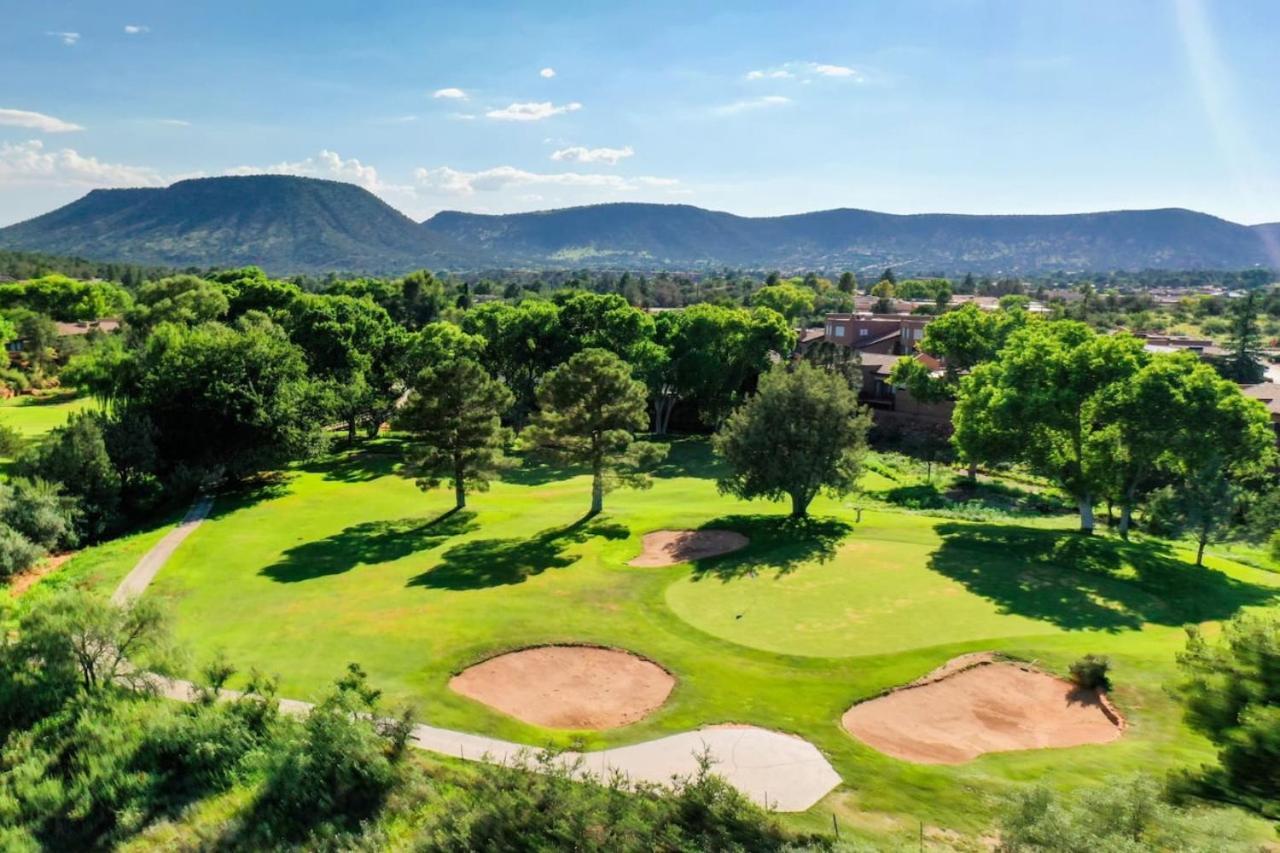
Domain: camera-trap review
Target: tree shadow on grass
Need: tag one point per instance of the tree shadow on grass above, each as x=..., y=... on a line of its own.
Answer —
x=779, y=544
x=501, y=562
x=369, y=543
x=361, y=465
x=535, y=469
x=689, y=456
x=1087, y=582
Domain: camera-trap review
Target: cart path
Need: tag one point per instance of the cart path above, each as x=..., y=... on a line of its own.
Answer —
x=776, y=770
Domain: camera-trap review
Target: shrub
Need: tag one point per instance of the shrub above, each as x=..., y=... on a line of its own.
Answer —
x=1091, y=672
x=76, y=456
x=17, y=552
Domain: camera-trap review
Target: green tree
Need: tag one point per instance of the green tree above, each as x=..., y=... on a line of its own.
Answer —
x=454, y=413
x=1231, y=693
x=1243, y=363
x=354, y=346
x=848, y=282
x=1035, y=404
x=788, y=300
x=589, y=409
x=709, y=356
x=224, y=401
x=802, y=433
x=185, y=299
x=522, y=344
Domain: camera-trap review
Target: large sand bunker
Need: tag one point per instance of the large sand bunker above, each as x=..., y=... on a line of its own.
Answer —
x=972, y=707
x=568, y=687
x=668, y=547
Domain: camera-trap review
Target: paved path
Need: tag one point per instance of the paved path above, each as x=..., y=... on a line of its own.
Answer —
x=780, y=771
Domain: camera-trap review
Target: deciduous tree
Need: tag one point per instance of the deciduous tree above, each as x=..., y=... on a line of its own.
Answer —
x=802, y=433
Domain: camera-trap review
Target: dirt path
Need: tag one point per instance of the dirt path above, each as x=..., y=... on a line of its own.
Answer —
x=776, y=770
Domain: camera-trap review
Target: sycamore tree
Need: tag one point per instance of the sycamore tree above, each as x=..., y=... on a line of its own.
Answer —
x=788, y=300
x=589, y=409
x=802, y=433
x=523, y=343
x=708, y=356
x=454, y=414
x=1226, y=447
x=1036, y=404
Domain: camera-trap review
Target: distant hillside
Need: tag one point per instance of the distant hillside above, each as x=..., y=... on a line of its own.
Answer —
x=648, y=235
x=283, y=224
x=289, y=224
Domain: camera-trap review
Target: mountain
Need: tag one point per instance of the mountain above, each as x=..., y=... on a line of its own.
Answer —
x=680, y=236
x=289, y=224
x=281, y=223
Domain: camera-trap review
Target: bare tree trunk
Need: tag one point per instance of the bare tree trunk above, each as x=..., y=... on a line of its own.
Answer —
x=1126, y=519
x=351, y=430
x=459, y=485
x=597, y=492
x=973, y=472
x=1086, y=514
x=799, y=506
x=1203, y=540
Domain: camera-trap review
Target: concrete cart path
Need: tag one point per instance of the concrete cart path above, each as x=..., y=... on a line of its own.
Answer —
x=776, y=770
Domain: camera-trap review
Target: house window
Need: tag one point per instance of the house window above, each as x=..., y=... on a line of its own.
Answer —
x=839, y=331
x=862, y=333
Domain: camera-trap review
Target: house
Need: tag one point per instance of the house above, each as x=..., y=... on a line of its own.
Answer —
x=881, y=340
x=1269, y=394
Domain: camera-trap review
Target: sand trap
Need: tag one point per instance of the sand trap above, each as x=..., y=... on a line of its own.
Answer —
x=568, y=687
x=668, y=547
x=957, y=714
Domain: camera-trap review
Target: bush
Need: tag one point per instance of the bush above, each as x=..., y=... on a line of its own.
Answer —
x=1091, y=672
x=17, y=552
x=38, y=510
x=1128, y=815
x=76, y=456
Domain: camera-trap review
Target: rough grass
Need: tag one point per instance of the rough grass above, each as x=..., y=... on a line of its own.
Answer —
x=348, y=561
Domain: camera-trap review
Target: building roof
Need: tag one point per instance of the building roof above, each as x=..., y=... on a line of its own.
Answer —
x=1268, y=393
x=85, y=327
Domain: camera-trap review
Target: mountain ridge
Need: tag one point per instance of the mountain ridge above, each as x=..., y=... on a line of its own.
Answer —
x=291, y=224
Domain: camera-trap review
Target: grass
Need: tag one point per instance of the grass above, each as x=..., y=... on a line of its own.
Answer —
x=348, y=561
x=34, y=416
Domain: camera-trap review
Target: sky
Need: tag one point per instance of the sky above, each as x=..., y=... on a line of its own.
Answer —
x=906, y=106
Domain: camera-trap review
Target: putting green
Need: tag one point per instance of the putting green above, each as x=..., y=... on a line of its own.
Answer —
x=899, y=582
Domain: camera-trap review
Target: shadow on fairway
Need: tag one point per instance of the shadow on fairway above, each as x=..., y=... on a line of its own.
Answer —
x=1087, y=582
x=779, y=544
x=376, y=459
x=370, y=543
x=688, y=456
x=500, y=562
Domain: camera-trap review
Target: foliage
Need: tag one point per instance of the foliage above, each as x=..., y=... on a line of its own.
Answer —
x=454, y=413
x=76, y=456
x=1091, y=672
x=522, y=344
x=790, y=301
x=336, y=771
x=1126, y=816
x=183, y=299
x=64, y=298
x=1034, y=404
x=541, y=804
x=961, y=339
x=802, y=433
x=1231, y=691
x=223, y=400
x=1243, y=362
x=589, y=409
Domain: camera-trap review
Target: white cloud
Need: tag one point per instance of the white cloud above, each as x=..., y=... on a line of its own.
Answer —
x=806, y=71
x=580, y=154
x=835, y=71
x=326, y=164
x=69, y=39
x=36, y=121
x=29, y=163
x=750, y=104
x=451, y=93
x=136, y=29
x=532, y=111
x=174, y=122
x=547, y=73
x=460, y=183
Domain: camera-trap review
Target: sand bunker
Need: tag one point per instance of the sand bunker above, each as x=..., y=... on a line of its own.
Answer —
x=957, y=714
x=568, y=687
x=668, y=547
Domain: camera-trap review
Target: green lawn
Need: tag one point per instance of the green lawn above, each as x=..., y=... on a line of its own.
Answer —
x=346, y=561
x=34, y=416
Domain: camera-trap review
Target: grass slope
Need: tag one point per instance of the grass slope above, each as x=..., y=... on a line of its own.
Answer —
x=347, y=561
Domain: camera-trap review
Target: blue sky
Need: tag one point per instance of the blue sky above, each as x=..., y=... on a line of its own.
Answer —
x=949, y=105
